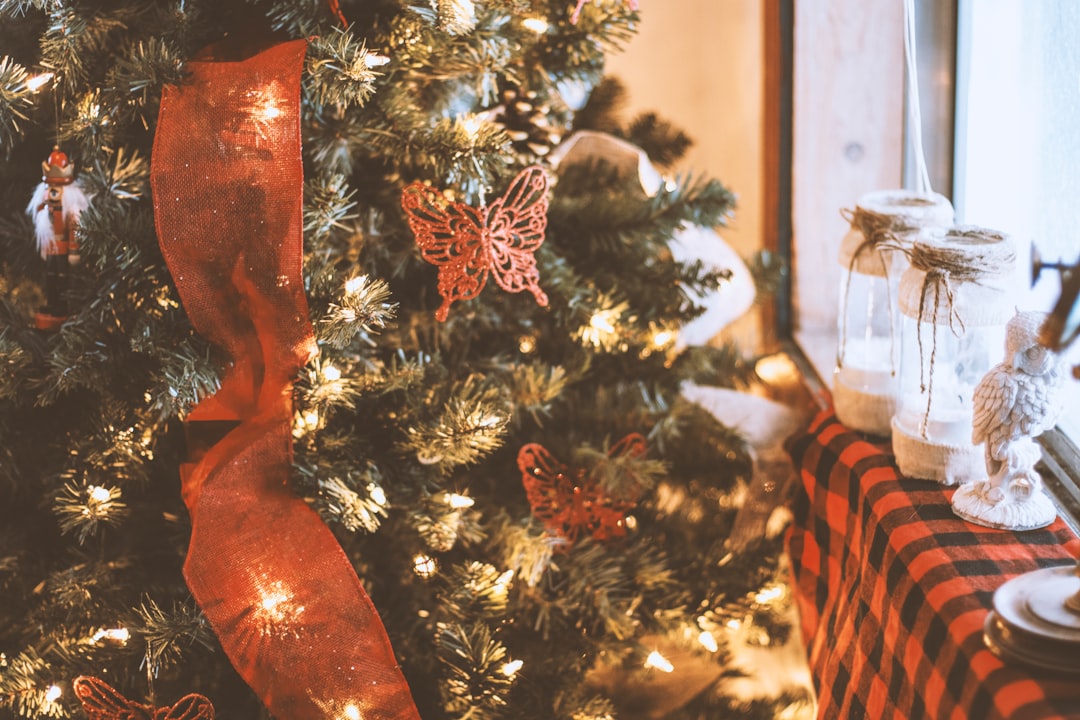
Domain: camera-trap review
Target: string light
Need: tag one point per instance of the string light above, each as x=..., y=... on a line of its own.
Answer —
x=117, y=635
x=351, y=712
x=101, y=502
x=98, y=494
x=708, y=641
x=510, y=669
x=733, y=624
x=502, y=586
x=377, y=495
x=355, y=284
x=374, y=60
x=602, y=321
x=536, y=24
x=331, y=373
x=471, y=123
x=659, y=662
x=277, y=608
x=53, y=693
x=458, y=502
x=269, y=111
x=660, y=338
x=777, y=369
x=424, y=565
x=38, y=81
x=766, y=596
x=526, y=344
x=600, y=332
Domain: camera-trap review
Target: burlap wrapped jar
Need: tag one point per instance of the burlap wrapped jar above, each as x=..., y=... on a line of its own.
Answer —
x=872, y=257
x=954, y=302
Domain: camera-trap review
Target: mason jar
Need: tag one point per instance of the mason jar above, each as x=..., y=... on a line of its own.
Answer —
x=872, y=257
x=954, y=302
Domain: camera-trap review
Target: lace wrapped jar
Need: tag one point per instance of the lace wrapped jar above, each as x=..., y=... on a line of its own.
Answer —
x=954, y=305
x=872, y=257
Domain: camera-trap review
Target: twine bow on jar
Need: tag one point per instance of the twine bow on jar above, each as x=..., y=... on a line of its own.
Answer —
x=881, y=232
x=966, y=254
x=883, y=221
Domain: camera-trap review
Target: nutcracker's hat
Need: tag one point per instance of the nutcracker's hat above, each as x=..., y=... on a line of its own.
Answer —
x=57, y=170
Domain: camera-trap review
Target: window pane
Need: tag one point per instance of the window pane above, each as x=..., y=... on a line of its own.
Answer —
x=1018, y=138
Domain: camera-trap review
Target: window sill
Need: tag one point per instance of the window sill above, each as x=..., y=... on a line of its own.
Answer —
x=814, y=354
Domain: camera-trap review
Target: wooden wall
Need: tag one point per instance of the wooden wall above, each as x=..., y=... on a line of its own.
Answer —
x=848, y=140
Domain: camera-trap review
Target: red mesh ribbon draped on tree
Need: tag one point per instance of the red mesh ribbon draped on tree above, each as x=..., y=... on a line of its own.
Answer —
x=273, y=582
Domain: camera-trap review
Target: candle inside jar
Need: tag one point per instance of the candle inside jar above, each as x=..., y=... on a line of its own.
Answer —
x=867, y=365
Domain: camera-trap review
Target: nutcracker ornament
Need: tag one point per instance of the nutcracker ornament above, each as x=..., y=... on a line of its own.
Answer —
x=55, y=208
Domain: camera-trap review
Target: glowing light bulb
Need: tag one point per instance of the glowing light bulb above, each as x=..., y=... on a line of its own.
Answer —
x=777, y=369
x=373, y=60
x=331, y=373
x=311, y=419
x=670, y=185
x=471, y=123
x=601, y=322
x=117, y=635
x=355, y=284
x=767, y=595
x=502, y=585
x=53, y=693
x=659, y=662
x=424, y=565
x=708, y=641
x=459, y=502
x=526, y=344
x=600, y=332
x=733, y=624
x=38, y=81
x=661, y=338
x=271, y=602
x=510, y=669
x=277, y=607
x=269, y=110
x=536, y=24
x=377, y=494
x=98, y=494
x=351, y=712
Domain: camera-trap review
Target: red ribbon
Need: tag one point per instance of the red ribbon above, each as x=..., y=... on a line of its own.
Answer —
x=279, y=591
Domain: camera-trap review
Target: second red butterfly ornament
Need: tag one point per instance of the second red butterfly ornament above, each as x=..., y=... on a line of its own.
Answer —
x=467, y=244
x=571, y=501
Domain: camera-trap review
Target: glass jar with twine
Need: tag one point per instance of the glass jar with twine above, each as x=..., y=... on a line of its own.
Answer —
x=872, y=257
x=954, y=303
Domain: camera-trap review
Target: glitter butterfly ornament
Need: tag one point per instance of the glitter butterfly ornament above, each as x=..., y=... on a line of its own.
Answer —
x=102, y=702
x=571, y=502
x=467, y=244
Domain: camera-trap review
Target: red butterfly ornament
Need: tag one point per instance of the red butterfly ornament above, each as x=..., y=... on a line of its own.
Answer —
x=102, y=702
x=570, y=501
x=468, y=243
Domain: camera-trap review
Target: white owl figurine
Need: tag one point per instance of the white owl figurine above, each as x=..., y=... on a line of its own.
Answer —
x=1018, y=400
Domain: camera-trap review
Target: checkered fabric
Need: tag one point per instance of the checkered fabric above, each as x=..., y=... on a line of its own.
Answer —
x=893, y=590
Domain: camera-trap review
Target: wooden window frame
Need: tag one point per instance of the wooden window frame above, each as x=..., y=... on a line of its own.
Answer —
x=834, y=129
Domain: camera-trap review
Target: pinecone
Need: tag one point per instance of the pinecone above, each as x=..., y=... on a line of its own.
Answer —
x=527, y=121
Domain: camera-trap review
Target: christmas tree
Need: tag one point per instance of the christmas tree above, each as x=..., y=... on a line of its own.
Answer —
x=487, y=416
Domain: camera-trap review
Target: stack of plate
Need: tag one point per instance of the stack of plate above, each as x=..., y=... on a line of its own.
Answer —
x=1036, y=620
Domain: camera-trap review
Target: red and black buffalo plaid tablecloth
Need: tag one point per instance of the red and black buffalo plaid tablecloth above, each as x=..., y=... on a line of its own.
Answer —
x=893, y=590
